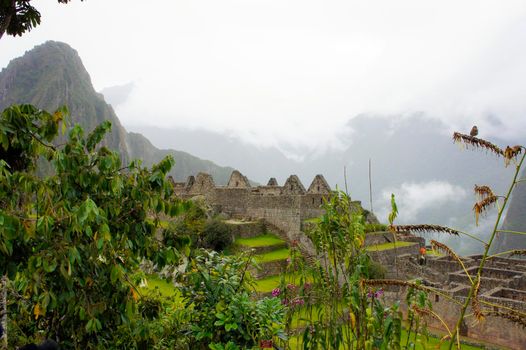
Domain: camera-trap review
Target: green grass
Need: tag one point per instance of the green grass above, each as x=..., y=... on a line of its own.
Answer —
x=267, y=284
x=432, y=252
x=280, y=254
x=387, y=246
x=421, y=344
x=265, y=240
x=166, y=288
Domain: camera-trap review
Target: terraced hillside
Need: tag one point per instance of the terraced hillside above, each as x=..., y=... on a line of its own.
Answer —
x=270, y=251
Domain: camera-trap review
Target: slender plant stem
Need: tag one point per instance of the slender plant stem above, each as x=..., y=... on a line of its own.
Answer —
x=370, y=187
x=486, y=251
x=473, y=237
x=514, y=232
x=503, y=253
x=3, y=311
x=499, y=306
x=409, y=332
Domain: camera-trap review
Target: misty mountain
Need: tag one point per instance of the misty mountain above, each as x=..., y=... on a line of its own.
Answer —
x=413, y=157
x=515, y=220
x=52, y=75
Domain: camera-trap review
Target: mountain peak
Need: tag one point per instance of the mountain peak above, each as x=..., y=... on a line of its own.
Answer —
x=52, y=75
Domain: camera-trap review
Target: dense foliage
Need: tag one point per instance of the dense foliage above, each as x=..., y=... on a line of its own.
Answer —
x=330, y=297
x=216, y=290
x=71, y=242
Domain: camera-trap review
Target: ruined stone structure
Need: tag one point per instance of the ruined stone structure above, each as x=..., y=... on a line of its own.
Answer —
x=285, y=207
x=503, y=283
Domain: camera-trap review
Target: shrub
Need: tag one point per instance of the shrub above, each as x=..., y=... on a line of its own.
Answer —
x=217, y=288
x=216, y=236
x=376, y=270
x=375, y=227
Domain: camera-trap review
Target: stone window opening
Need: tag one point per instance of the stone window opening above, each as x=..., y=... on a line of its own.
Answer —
x=312, y=200
x=318, y=188
x=437, y=298
x=237, y=183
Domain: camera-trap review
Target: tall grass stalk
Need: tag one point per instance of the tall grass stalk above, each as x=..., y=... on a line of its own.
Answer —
x=486, y=252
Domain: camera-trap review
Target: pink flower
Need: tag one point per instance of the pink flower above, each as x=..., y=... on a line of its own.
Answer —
x=307, y=286
x=291, y=286
x=299, y=301
x=285, y=301
x=276, y=292
x=375, y=295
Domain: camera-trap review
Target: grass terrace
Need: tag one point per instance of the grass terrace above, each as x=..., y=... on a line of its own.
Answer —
x=280, y=254
x=387, y=246
x=265, y=240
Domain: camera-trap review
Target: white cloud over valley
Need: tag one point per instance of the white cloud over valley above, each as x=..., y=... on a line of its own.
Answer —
x=293, y=72
x=414, y=198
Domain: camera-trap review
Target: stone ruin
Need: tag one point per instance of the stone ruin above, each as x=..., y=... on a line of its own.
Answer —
x=285, y=207
x=503, y=283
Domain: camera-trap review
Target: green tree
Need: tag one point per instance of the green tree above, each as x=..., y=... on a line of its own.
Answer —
x=71, y=242
x=19, y=16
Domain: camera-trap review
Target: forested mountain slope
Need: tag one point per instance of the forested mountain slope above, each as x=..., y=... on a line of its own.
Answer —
x=52, y=75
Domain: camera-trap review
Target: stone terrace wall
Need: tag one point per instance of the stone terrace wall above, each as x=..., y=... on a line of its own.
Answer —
x=494, y=330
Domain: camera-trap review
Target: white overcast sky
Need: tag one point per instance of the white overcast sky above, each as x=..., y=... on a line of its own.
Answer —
x=295, y=71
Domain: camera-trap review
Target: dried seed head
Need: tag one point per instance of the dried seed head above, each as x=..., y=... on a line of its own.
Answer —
x=390, y=282
x=510, y=153
x=481, y=206
x=518, y=252
x=483, y=191
x=444, y=248
x=476, y=143
x=512, y=316
x=422, y=228
x=422, y=312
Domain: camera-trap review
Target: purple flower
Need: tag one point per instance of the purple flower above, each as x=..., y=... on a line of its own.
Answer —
x=299, y=301
x=375, y=295
x=285, y=302
x=307, y=286
x=291, y=286
x=276, y=292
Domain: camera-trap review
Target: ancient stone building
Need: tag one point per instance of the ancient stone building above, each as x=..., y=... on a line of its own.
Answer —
x=503, y=283
x=285, y=207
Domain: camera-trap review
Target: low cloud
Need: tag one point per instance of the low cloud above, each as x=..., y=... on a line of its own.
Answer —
x=290, y=74
x=414, y=198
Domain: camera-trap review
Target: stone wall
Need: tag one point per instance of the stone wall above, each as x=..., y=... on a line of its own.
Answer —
x=285, y=207
x=494, y=330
